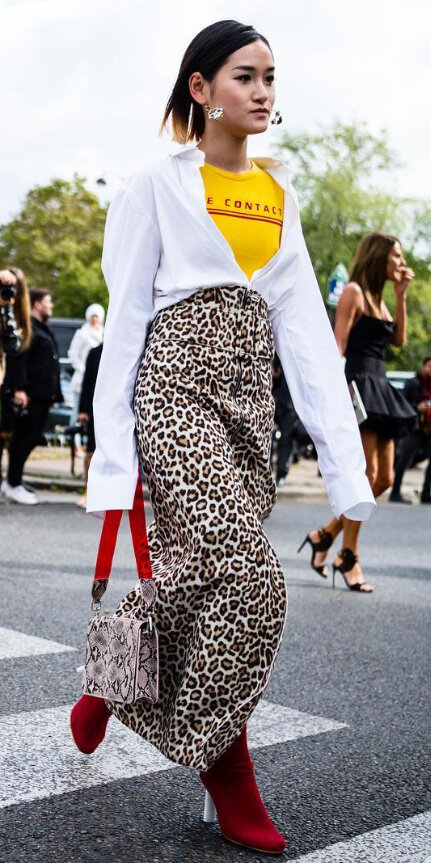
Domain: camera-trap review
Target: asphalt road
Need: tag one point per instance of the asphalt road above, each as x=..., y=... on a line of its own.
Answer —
x=360, y=661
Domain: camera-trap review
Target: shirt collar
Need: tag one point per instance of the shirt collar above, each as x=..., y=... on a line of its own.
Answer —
x=190, y=152
x=275, y=167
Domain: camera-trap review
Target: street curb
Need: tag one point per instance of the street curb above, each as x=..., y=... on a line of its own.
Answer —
x=47, y=482
x=77, y=485
x=72, y=485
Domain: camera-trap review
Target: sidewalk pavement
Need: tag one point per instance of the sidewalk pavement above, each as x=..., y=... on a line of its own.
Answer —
x=48, y=471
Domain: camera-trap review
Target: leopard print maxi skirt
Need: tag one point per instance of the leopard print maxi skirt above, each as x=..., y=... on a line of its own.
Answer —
x=204, y=419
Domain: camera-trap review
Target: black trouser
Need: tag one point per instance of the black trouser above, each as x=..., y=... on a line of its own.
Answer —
x=286, y=418
x=413, y=442
x=6, y=420
x=26, y=434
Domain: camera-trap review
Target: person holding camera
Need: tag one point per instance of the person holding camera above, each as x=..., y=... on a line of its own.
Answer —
x=15, y=334
x=34, y=377
x=418, y=393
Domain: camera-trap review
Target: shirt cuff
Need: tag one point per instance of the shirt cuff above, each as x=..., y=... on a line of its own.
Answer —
x=110, y=492
x=351, y=496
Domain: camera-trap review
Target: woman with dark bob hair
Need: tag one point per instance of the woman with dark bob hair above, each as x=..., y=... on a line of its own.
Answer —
x=363, y=329
x=206, y=265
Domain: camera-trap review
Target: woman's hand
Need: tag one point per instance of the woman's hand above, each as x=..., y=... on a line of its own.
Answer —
x=7, y=278
x=402, y=280
x=21, y=398
x=82, y=418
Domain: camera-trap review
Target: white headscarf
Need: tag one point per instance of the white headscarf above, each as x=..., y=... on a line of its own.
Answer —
x=95, y=309
x=85, y=338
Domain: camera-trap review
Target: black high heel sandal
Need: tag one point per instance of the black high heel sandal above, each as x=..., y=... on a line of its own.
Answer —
x=325, y=541
x=348, y=560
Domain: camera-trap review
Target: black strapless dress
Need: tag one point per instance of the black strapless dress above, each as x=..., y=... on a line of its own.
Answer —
x=389, y=413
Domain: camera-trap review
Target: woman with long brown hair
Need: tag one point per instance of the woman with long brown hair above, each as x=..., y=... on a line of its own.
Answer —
x=13, y=278
x=363, y=329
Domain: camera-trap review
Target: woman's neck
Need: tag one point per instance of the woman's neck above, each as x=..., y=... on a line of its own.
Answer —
x=224, y=151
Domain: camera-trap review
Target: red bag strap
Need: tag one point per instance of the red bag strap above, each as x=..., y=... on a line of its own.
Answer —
x=107, y=543
x=138, y=530
x=108, y=539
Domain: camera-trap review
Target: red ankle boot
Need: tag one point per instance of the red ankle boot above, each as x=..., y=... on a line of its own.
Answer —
x=231, y=784
x=88, y=722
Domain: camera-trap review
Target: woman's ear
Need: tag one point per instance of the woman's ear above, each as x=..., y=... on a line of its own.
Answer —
x=198, y=88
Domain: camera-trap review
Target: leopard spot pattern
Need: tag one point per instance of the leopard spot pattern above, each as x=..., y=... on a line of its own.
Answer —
x=204, y=419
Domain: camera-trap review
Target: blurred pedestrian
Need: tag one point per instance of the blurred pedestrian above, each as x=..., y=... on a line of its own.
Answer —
x=286, y=419
x=85, y=414
x=15, y=335
x=363, y=329
x=418, y=394
x=34, y=377
x=90, y=335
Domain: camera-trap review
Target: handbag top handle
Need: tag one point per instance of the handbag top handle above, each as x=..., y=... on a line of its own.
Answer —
x=108, y=541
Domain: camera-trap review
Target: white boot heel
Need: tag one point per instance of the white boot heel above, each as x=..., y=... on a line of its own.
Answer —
x=210, y=814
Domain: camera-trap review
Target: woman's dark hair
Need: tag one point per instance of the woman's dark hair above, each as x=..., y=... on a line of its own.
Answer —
x=206, y=54
x=369, y=267
x=37, y=294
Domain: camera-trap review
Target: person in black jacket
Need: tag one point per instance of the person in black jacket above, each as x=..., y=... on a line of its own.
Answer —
x=34, y=377
x=85, y=410
x=418, y=393
x=289, y=425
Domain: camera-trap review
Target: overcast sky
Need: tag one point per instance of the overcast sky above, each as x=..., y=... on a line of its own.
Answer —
x=83, y=83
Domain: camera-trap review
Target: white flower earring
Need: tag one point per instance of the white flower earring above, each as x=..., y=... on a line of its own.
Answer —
x=213, y=113
x=276, y=119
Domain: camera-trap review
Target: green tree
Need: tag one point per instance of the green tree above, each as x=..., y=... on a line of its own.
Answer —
x=342, y=174
x=56, y=239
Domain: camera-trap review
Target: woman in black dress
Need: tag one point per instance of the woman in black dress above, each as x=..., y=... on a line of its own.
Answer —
x=363, y=329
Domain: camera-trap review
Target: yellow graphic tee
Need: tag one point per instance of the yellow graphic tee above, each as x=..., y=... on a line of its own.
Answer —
x=248, y=210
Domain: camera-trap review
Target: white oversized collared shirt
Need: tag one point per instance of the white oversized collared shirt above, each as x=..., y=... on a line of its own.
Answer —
x=161, y=246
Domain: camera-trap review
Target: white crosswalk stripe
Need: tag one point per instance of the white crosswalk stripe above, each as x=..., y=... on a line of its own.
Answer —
x=40, y=759
x=14, y=644
x=408, y=841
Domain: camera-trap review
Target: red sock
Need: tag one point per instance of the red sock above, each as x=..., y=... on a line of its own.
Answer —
x=88, y=722
x=240, y=810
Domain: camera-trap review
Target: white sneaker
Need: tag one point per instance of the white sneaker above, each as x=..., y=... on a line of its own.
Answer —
x=19, y=494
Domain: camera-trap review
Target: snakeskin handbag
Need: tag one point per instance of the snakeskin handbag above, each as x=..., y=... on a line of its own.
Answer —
x=121, y=659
